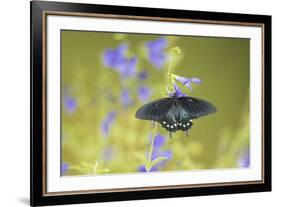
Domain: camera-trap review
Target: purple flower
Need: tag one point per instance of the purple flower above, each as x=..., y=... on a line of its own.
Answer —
x=156, y=52
x=116, y=59
x=142, y=75
x=144, y=93
x=187, y=81
x=128, y=67
x=107, y=123
x=244, y=159
x=167, y=153
x=125, y=98
x=143, y=169
x=64, y=168
x=159, y=141
x=113, y=58
x=158, y=153
x=177, y=92
x=70, y=104
x=107, y=153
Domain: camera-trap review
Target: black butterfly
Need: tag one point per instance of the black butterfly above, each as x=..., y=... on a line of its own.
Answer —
x=175, y=113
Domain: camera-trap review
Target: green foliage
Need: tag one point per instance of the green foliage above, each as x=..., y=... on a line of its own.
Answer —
x=88, y=169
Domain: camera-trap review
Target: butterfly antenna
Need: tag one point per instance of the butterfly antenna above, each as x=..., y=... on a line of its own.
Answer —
x=186, y=132
x=171, y=135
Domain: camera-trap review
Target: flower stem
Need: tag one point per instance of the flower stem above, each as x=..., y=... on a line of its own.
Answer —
x=170, y=75
x=95, y=167
x=149, y=161
x=169, y=81
x=170, y=63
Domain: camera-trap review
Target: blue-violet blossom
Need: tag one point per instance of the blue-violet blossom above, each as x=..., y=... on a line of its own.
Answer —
x=156, y=52
x=107, y=123
x=70, y=104
x=144, y=93
x=187, y=81
x=64, y=168
x=244, y=159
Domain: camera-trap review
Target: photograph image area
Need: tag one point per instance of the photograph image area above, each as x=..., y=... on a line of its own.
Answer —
x=150, y=103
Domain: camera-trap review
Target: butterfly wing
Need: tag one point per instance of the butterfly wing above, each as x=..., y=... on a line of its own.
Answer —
x=196, y=107
x=155, y=110
x=175, y=113
x=167, y=112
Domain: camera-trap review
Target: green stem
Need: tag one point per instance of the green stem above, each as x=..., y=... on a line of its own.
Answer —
x=149, y=161
x=169, y=77
x=95, y=167
x=170, y=63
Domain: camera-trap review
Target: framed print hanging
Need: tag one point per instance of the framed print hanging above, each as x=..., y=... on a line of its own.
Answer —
x=139, y=103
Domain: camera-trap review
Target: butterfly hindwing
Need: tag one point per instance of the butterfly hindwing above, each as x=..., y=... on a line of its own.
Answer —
x=176, y=119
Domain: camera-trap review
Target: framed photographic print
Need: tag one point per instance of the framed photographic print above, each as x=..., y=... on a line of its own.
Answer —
x=139, y=103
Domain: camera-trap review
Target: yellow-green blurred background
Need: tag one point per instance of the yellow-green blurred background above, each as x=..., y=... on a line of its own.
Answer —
x=90, y=91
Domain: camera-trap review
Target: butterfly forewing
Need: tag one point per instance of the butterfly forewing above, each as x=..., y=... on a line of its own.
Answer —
x=196, y=107
x=154, y=110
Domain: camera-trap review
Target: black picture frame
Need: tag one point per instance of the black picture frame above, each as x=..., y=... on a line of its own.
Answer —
x=39, y=10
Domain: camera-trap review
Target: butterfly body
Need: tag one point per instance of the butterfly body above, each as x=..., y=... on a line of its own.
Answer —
x=175, y=113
